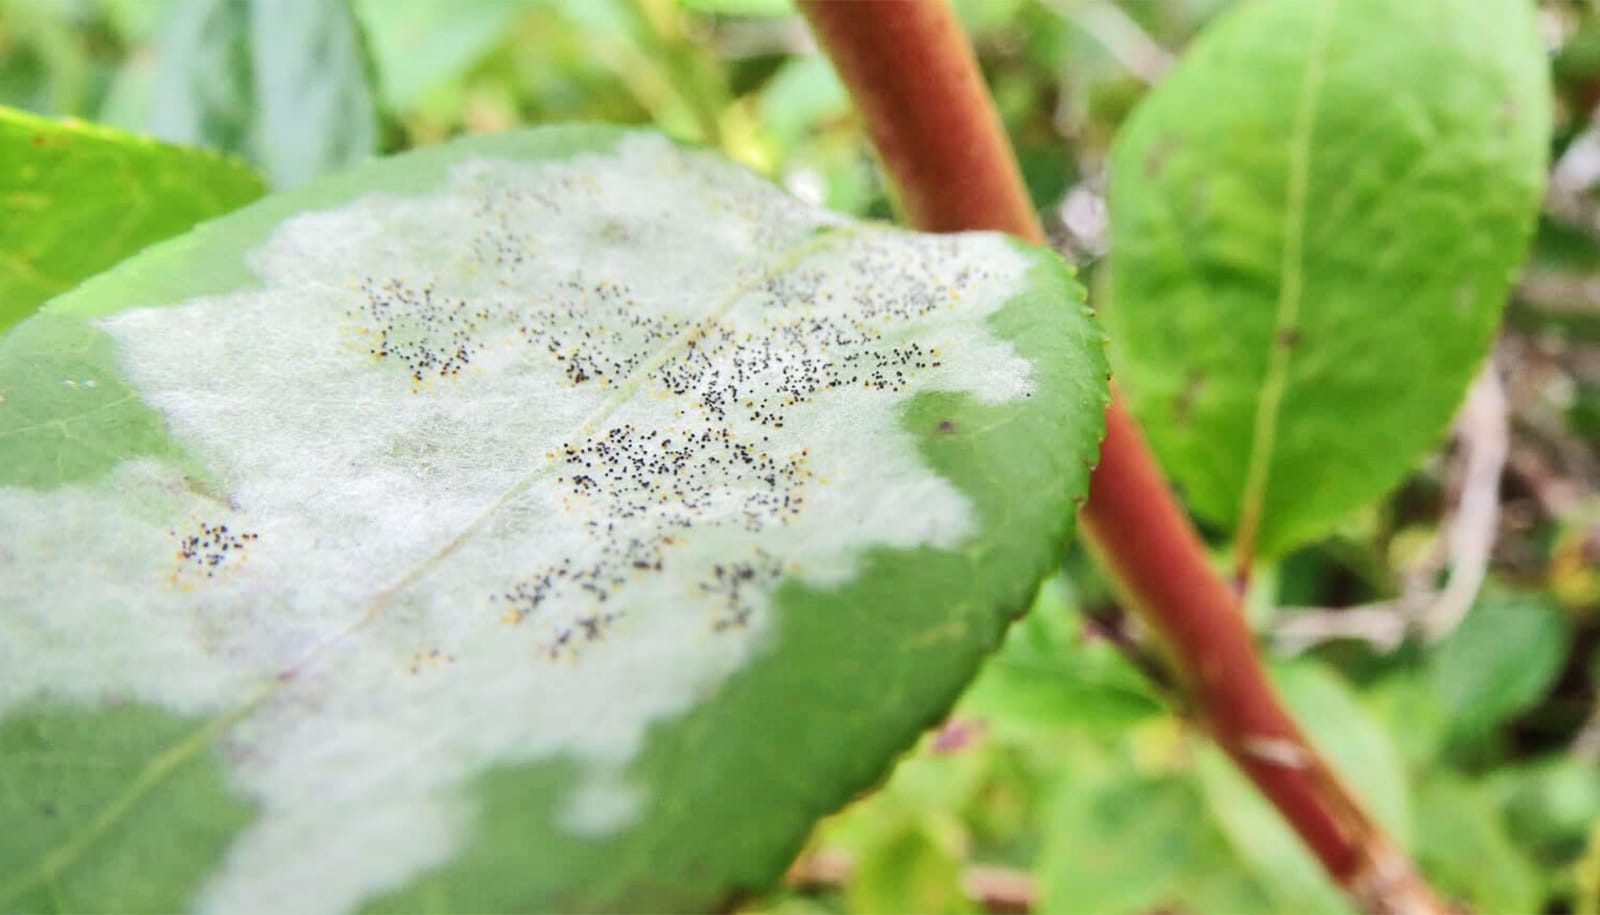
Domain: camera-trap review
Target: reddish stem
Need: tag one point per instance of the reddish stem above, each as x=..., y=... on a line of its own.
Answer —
x=914, y=77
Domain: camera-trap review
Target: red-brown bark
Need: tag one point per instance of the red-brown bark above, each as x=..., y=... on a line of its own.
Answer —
x=914, y=78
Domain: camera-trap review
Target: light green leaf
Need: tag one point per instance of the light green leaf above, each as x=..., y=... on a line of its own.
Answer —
x=1051, y=673
x=1315, y=220
x=418, y=45
x=1498, y=662
x=80, y=198
x=1116, y=843
x=283, y=83
x=1463, y=845
x=762, y=8
x=557, y=520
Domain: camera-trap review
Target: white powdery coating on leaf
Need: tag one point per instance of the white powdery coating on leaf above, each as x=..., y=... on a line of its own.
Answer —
x=502, y=473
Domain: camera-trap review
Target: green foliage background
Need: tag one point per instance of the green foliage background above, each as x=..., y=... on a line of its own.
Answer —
x=1065, y=778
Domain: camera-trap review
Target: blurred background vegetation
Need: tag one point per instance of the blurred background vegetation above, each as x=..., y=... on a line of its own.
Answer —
x=1068, y=778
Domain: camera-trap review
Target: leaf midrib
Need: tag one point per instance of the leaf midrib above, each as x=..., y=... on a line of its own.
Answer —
x=56, y=861
x=1291, y=290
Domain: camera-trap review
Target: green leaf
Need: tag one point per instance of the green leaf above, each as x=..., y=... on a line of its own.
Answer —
x=913, y=871
x=1551, y=805
x=1463, y=845
x=761, y=8
x=284, y=84
x=418, y=45
x=1498, y=662
x=1119, y=843
x=556, y=520
x=82, y=198
x=1050, y=673
x=1315, y=220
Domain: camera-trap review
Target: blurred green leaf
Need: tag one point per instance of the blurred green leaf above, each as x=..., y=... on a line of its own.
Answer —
x=1462, y=844
x=1049, y=674
x=1498, y=662
x=800, y=97
x=419, y=44
x=1117, y=842
x=83, y=198
x=741, y=7
x=1550, y=806
x=284, y=84
x=912, y=872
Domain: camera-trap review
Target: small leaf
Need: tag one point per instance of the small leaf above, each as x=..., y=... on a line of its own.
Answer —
x=83, y=197
x=284, y=84
x=556, y=520
x=1315, y=220
x=1463, y=845
x=1498, y=662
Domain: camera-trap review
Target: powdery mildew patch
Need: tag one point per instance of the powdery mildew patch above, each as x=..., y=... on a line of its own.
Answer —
x=511, y=470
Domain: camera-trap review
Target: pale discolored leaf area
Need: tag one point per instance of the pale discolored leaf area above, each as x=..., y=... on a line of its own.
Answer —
x=1316, y=218
x=557, y=520
x=79, y=198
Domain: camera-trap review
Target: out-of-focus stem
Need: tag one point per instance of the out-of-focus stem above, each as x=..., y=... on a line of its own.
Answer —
x=914, y=78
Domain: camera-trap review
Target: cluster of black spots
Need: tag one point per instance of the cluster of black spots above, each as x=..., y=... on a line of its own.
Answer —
x=735, y=375
x=673, y=479
x=737, y=586
x=596, y=331
x=591, y=583
x=733, y=383
x=433, y=336
x=209, y=549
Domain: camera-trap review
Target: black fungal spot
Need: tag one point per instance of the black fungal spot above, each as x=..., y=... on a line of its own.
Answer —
x=946, y=427
x=1289, y=337
x=208, y=549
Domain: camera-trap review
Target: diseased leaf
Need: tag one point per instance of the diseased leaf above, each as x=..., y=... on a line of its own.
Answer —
x=79, y=198
x=1315, y=220
x=558, y=520
x=282, y=83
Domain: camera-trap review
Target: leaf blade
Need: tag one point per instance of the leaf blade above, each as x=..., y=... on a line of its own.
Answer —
x=1402, y=270
x=624, y=778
